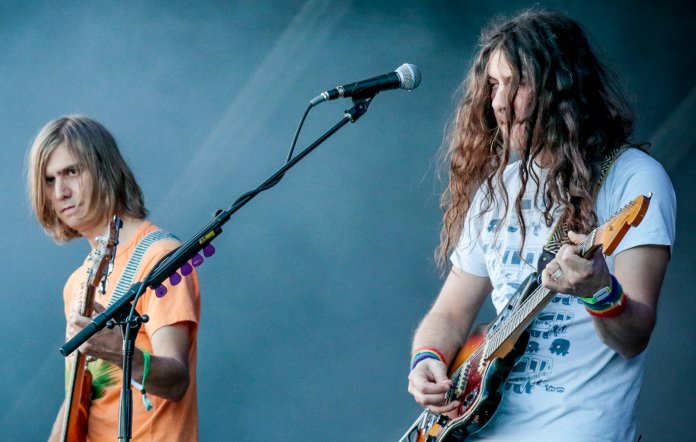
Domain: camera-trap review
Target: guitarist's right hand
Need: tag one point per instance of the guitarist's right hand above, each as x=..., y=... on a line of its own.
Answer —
x=428, y=383
x=106, y=344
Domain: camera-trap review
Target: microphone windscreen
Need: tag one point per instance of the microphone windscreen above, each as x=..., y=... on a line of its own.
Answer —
x=409, y=75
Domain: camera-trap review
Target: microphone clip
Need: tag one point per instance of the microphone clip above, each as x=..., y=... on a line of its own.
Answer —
x=360, y=105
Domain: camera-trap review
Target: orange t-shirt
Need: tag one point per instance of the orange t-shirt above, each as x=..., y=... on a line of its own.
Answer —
x=170, y=421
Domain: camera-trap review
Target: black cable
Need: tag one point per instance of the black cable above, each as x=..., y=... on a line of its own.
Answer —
x=297, y=132
x=242, y=199
x=265, y=186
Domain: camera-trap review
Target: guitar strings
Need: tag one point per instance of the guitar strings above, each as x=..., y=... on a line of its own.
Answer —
x=458, y=372
x=584, y=247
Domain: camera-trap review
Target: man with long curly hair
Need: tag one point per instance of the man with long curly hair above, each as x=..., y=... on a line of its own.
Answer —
x=538, y=118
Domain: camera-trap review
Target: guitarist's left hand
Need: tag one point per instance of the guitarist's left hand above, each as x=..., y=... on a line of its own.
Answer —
x=640, y=271
x=579, y=276
x=106, y=344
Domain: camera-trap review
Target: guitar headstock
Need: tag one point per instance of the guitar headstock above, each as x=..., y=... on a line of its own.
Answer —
x=102, y=257
x=610, y=234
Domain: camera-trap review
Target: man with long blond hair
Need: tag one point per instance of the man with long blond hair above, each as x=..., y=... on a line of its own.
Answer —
x=78, y=181
x=539, y=117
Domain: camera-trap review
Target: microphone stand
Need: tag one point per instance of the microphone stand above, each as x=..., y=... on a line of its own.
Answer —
x=123, y=312
x=130, y=321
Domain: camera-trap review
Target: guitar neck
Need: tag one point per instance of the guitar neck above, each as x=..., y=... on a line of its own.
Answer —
x=87, y=301
x=520, y=319
x=76, y=389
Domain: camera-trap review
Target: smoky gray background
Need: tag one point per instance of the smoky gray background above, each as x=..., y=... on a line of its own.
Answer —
x=317, y=285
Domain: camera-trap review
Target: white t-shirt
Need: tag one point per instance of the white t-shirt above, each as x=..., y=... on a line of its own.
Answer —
x=568, y=386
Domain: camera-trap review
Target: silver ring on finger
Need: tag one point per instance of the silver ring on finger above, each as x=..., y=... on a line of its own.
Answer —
x=557, y=274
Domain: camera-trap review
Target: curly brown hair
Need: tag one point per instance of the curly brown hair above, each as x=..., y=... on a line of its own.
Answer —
x=576, y=115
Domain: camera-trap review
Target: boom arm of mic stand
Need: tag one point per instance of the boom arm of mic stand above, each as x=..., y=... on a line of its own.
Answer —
x=172, y=262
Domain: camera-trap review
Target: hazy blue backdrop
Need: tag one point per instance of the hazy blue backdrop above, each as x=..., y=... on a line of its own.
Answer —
x=311, y=300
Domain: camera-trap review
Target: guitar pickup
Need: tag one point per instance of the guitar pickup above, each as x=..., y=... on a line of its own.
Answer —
x=451, y=395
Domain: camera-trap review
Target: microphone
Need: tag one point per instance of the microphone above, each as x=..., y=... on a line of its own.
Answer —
x=406, y=76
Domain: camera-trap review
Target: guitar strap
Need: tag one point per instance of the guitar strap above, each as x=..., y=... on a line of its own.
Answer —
x=559, y=236
x=126, y=279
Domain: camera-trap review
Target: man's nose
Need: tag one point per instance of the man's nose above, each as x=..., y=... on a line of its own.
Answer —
x=61, y=189
x=499, y=101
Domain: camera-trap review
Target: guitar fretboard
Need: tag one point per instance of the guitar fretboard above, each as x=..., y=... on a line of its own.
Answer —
x=525, y=314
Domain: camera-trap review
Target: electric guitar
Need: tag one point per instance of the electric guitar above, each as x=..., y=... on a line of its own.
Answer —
x=78, y=392
x=482, y=366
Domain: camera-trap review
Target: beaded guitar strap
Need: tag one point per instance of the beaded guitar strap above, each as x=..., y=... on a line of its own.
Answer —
x=126, y=279
x=560, y=232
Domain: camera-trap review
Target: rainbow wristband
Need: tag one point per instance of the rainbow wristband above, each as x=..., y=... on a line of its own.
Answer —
x=612, y=310
x=426, y=353
x=612, y=305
